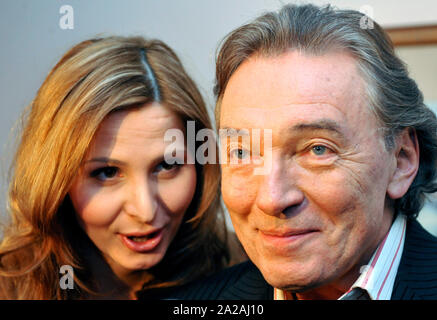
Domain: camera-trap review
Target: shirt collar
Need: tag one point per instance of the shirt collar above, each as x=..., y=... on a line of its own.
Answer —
x=377, y=277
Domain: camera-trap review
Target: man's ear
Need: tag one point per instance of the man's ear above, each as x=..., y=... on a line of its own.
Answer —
x=407, y=163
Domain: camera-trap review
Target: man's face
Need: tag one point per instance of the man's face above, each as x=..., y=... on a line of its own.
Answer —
x=321, y=210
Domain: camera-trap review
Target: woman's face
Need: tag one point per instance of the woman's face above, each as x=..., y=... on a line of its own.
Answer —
x=129, y=201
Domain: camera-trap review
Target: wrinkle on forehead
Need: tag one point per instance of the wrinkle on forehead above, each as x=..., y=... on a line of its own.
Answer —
x=298, y=87
x=262, y=115
x=308, y=80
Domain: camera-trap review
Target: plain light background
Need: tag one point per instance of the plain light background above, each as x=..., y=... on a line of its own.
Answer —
x=32, y=42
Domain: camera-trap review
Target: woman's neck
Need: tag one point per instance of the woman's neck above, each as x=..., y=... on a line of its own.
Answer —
x=111, y=282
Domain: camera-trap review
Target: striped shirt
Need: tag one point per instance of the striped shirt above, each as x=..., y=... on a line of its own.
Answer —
x=378, y=277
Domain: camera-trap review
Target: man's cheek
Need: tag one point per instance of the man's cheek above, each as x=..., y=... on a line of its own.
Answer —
x=238, y=191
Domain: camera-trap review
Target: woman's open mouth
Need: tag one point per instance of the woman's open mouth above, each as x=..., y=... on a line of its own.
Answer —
x=143, y=242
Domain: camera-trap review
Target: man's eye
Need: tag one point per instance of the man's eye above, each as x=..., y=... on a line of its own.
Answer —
x=319, y=150
x=105, y=173
x=239, y=154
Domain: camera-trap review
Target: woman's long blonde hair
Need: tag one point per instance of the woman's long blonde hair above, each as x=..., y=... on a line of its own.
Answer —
x=93, y=79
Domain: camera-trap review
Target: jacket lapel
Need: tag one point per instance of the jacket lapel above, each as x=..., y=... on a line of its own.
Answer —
x=250, y=286
x=416, y=278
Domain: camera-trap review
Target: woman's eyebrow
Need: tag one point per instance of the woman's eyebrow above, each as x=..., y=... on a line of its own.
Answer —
x=105, y=160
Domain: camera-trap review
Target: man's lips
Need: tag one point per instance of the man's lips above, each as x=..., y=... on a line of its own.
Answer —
x=285, y=237
x=286, y=232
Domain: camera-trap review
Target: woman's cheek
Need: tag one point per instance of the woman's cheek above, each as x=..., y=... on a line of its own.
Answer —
x=95, y=206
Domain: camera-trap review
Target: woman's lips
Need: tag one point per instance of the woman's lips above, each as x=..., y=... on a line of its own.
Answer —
x=151, y=240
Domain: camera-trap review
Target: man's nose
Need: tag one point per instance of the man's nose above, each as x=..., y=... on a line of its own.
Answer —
x=278, y=192
x=142, y=200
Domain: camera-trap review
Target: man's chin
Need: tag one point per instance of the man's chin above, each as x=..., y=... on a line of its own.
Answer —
x=288, y=284
x=284, y=279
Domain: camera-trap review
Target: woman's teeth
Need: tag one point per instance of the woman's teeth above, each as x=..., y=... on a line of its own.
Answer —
x=144, y=238
x=139, y=239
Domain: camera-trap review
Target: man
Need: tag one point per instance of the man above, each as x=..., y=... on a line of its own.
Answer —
x=353, y=153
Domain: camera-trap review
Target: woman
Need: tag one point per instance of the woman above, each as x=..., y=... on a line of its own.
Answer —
x=90, y=188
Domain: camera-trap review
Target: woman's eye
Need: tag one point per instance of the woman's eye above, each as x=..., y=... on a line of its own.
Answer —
x=319, y=150
x=164, y=166
x=105, y=173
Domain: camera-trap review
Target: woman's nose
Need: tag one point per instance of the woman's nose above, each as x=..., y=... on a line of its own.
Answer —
x=141, y=200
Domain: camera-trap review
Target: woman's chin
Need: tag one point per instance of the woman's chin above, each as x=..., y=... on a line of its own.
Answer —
x=143, y=261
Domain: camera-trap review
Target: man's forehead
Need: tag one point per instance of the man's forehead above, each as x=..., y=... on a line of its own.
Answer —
x=290, y=114
x=265, y=83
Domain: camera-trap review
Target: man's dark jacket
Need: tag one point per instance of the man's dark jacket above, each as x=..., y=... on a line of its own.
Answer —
x=416, y=278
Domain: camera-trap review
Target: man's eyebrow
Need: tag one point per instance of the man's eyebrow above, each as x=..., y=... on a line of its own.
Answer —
x=323, y=124
x=230, y=132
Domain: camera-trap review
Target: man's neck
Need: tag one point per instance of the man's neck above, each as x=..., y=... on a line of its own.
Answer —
x=332, y=291
x=113, y=283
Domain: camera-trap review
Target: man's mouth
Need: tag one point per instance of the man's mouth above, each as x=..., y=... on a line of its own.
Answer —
x=278, y=240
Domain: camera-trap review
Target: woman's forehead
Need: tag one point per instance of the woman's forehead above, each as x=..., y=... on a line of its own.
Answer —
x=136, y=127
